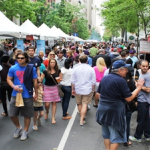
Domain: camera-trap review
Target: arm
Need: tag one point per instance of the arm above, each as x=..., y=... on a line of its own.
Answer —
x=146, y=89
x=136, y=91
x=60, y=75
x=9, y=81
x=38, y=71
x=35, y=88
x=73, y=89
x=42, y=76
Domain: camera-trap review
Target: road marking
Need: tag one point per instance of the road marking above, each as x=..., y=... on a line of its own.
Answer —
x=67, y=131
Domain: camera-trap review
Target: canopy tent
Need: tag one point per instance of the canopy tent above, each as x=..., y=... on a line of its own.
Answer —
x=8, y=28
x=54, y=31
x=77, y=38
x=45, y=31
x=63, y=34
x=30, y=28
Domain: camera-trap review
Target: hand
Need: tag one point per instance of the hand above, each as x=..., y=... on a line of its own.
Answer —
x=73, y=92
x=42, y=93
x=35, y=98
x=140, y=83
x=16, y=88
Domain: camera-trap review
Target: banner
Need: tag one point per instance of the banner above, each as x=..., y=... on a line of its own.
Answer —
x=29, y=37
x=40, y=46
x=20, y=45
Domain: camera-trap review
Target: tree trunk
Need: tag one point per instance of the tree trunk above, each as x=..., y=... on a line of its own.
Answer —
x=145, y=31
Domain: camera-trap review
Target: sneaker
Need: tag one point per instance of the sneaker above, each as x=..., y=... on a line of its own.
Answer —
x=88, y=107
x=24, y=135
x=132, y=138
x=17, y=132
x=147, y=139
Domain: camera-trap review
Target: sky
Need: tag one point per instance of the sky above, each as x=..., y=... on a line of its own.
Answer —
x=98, y=18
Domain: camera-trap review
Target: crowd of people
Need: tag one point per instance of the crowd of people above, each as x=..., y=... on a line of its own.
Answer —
x=111, y=74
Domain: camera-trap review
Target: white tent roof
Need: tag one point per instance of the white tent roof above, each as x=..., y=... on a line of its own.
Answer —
x=8, y=28
x=63, y=34
x=77, y=38
x=29, y=28
x=54, y=31
x=44, y=30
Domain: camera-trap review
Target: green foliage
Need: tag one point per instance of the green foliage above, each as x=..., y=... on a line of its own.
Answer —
x=65, y=16
x=127, y=15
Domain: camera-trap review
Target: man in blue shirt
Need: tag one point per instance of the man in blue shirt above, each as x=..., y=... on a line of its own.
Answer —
x=110, y=114
x=134, y=58
x=16, y=76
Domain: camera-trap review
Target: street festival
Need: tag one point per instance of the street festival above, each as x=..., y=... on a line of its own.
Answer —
x=74, y=75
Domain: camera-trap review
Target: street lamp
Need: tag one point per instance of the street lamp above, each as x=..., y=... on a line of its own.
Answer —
x=39, y=19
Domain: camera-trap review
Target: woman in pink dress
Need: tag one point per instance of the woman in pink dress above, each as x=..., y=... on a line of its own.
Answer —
x=51, y=94
x=99, y=72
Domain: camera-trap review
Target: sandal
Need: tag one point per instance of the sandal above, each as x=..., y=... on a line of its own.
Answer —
x=4, y=114
x=35, y=128
x=53, y=121
x=66, y=118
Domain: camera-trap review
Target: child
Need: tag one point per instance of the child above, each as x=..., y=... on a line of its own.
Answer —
x=38, y=106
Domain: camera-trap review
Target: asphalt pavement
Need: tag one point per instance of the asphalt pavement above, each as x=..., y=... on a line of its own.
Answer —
x=64, y=135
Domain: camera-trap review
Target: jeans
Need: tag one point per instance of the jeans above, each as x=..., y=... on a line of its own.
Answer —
x=65, y=101
x=142, y=120
x=5, y=87
x=128, y=119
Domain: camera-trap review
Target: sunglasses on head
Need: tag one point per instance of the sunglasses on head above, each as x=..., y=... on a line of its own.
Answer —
x=21, y=58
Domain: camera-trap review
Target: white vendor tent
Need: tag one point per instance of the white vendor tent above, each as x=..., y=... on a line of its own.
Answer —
x=45, y=31
x=77, y=38
x=63, y=34
x=8, y=28
x=30, y=28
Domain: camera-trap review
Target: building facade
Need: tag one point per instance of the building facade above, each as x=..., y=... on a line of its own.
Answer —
x=89, y=10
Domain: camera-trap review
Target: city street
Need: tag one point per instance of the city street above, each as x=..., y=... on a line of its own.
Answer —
x=64, y=135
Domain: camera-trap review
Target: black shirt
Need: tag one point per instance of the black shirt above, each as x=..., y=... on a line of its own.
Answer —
x=48, y=80
x=35, y=61
x=106, y=58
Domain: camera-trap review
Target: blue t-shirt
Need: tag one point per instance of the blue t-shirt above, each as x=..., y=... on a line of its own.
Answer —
x=90, y=61
x=17, y=72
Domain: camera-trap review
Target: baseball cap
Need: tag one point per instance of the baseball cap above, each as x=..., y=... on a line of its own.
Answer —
x=119, y=63
x=131, y=51
x=73, y=47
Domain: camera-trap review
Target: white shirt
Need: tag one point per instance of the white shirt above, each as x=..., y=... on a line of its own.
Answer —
x=83, y=77
x=66, y=76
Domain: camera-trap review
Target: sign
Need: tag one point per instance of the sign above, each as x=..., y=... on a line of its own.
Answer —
x=145, y=47
x=51, y=42
x=40, y=46
x=75, y=34
x=81, y=42
x=20, y=45
x=131, y=37
x=29, y=37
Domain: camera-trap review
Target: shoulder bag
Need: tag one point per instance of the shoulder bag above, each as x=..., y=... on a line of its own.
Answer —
x=61, y=94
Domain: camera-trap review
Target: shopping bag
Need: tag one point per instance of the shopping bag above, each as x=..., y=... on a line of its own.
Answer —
x=19, y=100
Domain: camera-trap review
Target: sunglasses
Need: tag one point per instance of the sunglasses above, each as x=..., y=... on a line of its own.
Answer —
x=21, y=58
x=52, y=54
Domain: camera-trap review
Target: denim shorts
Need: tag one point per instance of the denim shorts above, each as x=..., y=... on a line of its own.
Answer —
x=112, y=134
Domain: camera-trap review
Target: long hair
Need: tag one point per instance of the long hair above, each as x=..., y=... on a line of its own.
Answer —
x=67, y=63
x=25, y=55
x=49, y=68
x=100, y=63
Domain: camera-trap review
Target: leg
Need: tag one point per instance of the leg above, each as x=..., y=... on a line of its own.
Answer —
x=107, y=144
x=79, y=107
x=41, y=114
x=54, y=107
x=9, y=91
x=83, y=112
x=26, y=123
x=114, y=146
x=96, y=100
x=3, y=96
x=128, y=119
x=35, y=118
x=47, y=106
x=15, y=120
x=66, y=99
x=140, y=120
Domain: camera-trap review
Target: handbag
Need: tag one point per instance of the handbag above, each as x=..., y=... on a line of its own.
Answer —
x=61, y=94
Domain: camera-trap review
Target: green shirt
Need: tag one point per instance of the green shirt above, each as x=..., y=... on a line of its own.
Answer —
x=93, y=51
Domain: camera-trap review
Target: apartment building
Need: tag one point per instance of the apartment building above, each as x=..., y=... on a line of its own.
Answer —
x=89, y=11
